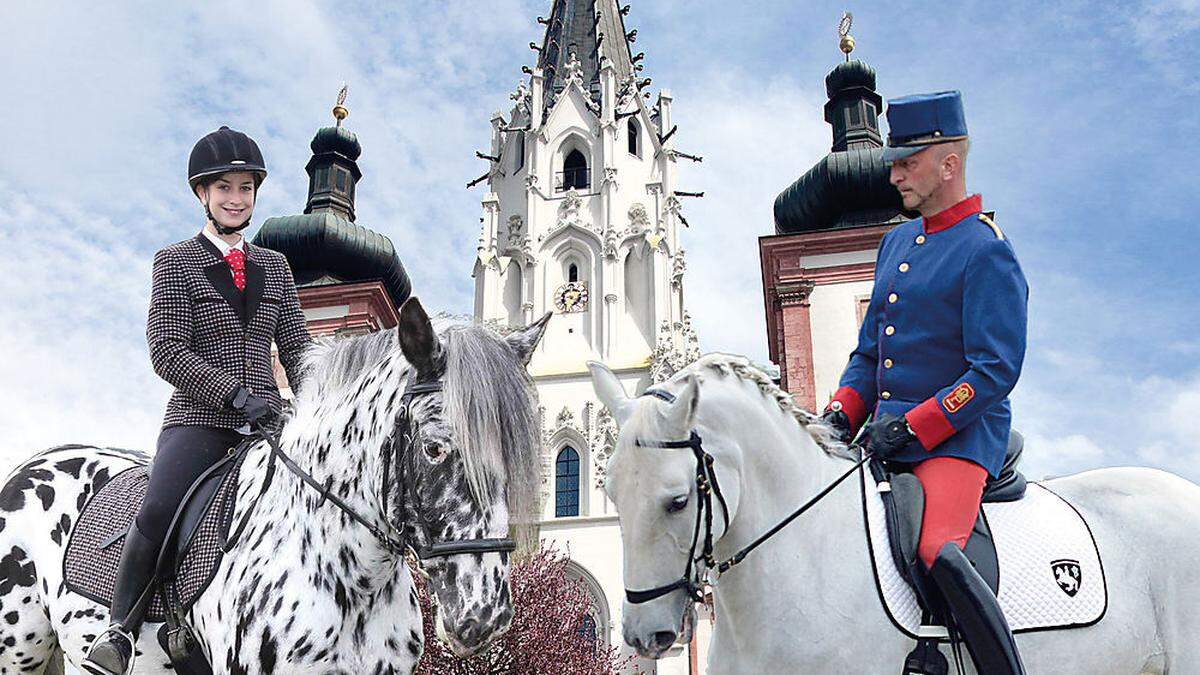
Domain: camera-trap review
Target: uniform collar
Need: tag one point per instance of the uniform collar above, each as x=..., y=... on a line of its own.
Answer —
x=221, y=245
x=944, y=220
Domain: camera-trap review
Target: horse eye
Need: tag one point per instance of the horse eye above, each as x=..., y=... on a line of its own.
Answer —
x=434, y=451
x=677, y=503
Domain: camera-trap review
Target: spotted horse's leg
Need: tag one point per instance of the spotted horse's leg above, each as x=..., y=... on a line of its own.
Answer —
x=27, y=640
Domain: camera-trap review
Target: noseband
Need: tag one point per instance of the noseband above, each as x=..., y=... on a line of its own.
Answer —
x=694, y=579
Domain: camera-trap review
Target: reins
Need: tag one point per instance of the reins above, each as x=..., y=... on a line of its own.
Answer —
x=403, y=432
x=692, y=580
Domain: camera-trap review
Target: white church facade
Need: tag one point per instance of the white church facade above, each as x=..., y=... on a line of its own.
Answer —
x=581, y=218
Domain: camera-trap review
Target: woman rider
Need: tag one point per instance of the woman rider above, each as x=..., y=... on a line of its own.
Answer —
x=216, y=304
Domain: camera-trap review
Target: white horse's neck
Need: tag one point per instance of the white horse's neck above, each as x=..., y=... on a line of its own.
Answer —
x=798, y=571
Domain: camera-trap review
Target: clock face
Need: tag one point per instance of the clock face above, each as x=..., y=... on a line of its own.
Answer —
x=571, y=297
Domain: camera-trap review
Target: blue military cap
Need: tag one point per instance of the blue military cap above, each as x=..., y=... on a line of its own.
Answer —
x=921, y=120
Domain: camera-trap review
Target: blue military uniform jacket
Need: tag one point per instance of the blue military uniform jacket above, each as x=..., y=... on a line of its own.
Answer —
x=943, y=338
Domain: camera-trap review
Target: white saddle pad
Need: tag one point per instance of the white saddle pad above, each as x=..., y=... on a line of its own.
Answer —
x=1051, y=575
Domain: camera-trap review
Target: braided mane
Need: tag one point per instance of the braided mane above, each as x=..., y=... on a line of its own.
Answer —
x=741, y=368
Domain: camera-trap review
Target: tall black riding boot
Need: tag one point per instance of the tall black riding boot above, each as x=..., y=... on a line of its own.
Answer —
x=977, y=613
x=112, y=652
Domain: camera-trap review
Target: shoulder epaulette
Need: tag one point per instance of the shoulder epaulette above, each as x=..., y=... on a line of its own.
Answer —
x=986, y=220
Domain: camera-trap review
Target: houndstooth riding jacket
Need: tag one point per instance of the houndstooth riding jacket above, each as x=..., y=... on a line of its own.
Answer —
x=207, y=338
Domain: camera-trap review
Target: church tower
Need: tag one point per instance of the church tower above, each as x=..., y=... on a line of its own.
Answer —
x=581, y=217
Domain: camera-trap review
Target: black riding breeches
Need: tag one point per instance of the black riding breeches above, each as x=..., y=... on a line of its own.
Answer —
x=183, y=454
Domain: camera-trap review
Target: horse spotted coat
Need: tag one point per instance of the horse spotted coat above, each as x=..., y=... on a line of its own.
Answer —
x=305, y=589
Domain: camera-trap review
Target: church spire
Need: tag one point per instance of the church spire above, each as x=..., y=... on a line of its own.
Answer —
x=593, y=31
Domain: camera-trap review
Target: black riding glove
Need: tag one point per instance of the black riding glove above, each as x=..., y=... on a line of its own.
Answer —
x=888, y=436
x=257, y=409
x=839, y=422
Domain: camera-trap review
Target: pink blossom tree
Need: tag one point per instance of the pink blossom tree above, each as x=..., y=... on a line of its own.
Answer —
x=553, y=630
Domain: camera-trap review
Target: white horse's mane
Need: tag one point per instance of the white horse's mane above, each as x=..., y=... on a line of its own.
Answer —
x=741, y=368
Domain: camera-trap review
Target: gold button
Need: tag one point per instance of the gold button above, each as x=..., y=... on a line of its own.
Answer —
x=889, y=330
x=903, y=267
x=885, y=395
x=920, y=239
x=893, y=297
x=887, y=363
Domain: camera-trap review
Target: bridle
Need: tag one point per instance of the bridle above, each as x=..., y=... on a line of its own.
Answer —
x=395, y=448
x=403, y=434
x=695, y=578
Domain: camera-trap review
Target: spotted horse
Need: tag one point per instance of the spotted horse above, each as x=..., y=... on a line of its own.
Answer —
x=306, y=588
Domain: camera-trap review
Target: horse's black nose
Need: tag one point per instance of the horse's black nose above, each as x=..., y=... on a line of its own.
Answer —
x=470, y=632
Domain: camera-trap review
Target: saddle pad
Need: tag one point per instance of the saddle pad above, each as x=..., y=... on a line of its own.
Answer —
x=91, y=570
x=1051, y=575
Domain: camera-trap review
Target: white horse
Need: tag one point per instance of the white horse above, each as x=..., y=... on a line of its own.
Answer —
x=306, y=588
x=805, y=601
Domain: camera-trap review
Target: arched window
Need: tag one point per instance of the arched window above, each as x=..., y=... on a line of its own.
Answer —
x=587, y=630
x=519, y=151
x=575, y=171
x=566, y=483
x=573, y=272
x=634, y=132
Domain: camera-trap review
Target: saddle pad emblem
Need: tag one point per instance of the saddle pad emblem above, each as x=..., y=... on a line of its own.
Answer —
x=1068, y=575
x=956, y=399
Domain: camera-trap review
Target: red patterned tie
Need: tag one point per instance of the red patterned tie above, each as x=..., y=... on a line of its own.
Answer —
x=237, y=263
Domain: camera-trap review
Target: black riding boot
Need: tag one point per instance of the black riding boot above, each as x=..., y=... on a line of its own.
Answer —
x=977, y=613
x=112, y=652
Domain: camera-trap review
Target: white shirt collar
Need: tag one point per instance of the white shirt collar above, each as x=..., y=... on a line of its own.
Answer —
x=221, y=245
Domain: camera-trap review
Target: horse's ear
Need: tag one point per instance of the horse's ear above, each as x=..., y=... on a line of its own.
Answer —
x=524, y=341
x=610, y=392
x=417, y=339
x=682, y=411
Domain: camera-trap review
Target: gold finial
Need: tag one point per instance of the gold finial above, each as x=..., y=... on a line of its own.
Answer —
x=846, y=43
x=339, y=110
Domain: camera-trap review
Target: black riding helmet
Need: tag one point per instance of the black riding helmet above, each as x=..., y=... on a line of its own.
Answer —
x=224, y=151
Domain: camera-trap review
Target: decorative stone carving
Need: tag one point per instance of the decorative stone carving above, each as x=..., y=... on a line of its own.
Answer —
x=611, y=242
x=639, y=220
x=574, y=71
x=568, y=210
x=671, y=207
x=678, y=267
x=676, y=347
x=516, y=231
x=610, y=177
x=531, y=182
x=522, y=96
x=603, y=440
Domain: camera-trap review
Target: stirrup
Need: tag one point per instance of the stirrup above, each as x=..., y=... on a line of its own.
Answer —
x=107, y=635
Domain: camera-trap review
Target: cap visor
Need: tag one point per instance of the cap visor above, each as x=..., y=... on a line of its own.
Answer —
x=891, y=154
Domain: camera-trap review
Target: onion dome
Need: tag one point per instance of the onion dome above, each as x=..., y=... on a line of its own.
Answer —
x=325, y=245
x=849, y=187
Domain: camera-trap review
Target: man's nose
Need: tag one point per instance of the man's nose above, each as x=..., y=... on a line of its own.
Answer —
x=894, y=177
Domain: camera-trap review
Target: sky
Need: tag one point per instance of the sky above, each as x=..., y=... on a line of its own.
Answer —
x=1083, y=118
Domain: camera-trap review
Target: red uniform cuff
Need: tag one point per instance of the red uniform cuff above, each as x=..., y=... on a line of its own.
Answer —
x=852, y=404
x=929, y=423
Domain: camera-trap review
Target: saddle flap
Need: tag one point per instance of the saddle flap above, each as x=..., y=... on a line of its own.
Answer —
x=908, y=497
x=188, y=560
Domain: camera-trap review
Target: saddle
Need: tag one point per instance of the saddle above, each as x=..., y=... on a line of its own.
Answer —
x=194, y=546
x=904, y=505
x=1031, y=546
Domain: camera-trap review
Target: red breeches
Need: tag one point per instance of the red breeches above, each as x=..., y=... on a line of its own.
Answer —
x=953, y=489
